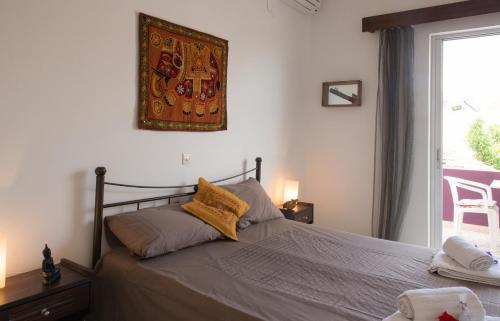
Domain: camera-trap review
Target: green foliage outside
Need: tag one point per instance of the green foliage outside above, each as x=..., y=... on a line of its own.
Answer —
x=485, y=143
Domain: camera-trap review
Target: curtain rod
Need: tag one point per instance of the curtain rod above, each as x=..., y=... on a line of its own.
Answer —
x=430, y=14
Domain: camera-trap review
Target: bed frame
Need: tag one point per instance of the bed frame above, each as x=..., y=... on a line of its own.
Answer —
x=100, y=173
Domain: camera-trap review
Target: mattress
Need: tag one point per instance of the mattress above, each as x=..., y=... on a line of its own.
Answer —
x=278, y=270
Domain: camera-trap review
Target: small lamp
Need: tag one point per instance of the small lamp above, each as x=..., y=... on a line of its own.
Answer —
x=291, y=194
x=3, y=260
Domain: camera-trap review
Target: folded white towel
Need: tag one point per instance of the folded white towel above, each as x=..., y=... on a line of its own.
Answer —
x=444, y=265
x=398, y=316
x=429, y=304
x=465, y=253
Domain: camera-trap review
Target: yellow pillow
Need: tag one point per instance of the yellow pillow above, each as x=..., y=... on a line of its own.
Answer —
x=217, y=207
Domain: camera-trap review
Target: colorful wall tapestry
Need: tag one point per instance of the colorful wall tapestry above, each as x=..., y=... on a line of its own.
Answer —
x=182, y=78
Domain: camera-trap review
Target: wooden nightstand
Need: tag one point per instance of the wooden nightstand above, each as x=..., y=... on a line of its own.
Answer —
x=303, y=212
x=25, y=298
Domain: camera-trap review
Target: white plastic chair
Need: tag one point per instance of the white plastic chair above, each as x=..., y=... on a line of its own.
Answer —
x=485, y=205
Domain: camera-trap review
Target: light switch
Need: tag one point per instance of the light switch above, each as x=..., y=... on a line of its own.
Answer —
x=186, y=159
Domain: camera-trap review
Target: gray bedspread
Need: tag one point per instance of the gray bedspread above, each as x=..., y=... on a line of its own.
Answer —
x=279, y=270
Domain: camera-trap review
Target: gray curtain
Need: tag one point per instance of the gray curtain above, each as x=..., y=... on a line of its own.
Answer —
x=394, y=132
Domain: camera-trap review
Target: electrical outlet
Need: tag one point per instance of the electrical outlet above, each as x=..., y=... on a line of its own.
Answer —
x=186, y=159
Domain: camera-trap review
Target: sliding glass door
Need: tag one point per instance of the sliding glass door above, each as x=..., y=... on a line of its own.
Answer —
x=465, y=137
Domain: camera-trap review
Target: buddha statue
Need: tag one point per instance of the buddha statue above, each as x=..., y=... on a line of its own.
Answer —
x=50, y=272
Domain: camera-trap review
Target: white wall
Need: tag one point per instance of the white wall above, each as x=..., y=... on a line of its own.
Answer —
x=68, y=91
x=339, y=142
x=68, y=104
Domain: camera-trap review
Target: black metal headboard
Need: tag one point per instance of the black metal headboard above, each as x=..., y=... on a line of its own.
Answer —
x=100, y=206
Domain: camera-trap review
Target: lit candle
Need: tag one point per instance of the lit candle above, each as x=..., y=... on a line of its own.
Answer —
x=3, y=260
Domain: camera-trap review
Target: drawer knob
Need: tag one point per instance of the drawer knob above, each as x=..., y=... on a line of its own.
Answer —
x=45, y=312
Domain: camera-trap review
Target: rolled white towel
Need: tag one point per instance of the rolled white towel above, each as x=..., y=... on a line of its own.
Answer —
x=467, y=254
x=428, y=304
x=398, y=316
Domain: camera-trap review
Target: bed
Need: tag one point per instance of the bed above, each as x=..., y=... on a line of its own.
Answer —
x=278, y=270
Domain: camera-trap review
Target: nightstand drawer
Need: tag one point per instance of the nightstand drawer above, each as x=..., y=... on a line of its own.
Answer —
x=53, y=307
x=304, y=217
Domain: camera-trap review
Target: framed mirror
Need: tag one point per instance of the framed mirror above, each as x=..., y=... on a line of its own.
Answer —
x=342, y=93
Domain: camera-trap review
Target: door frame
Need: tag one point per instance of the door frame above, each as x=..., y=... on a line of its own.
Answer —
x=436, y=124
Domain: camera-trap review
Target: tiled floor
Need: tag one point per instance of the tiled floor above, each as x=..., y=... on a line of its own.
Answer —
x=479, y=235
